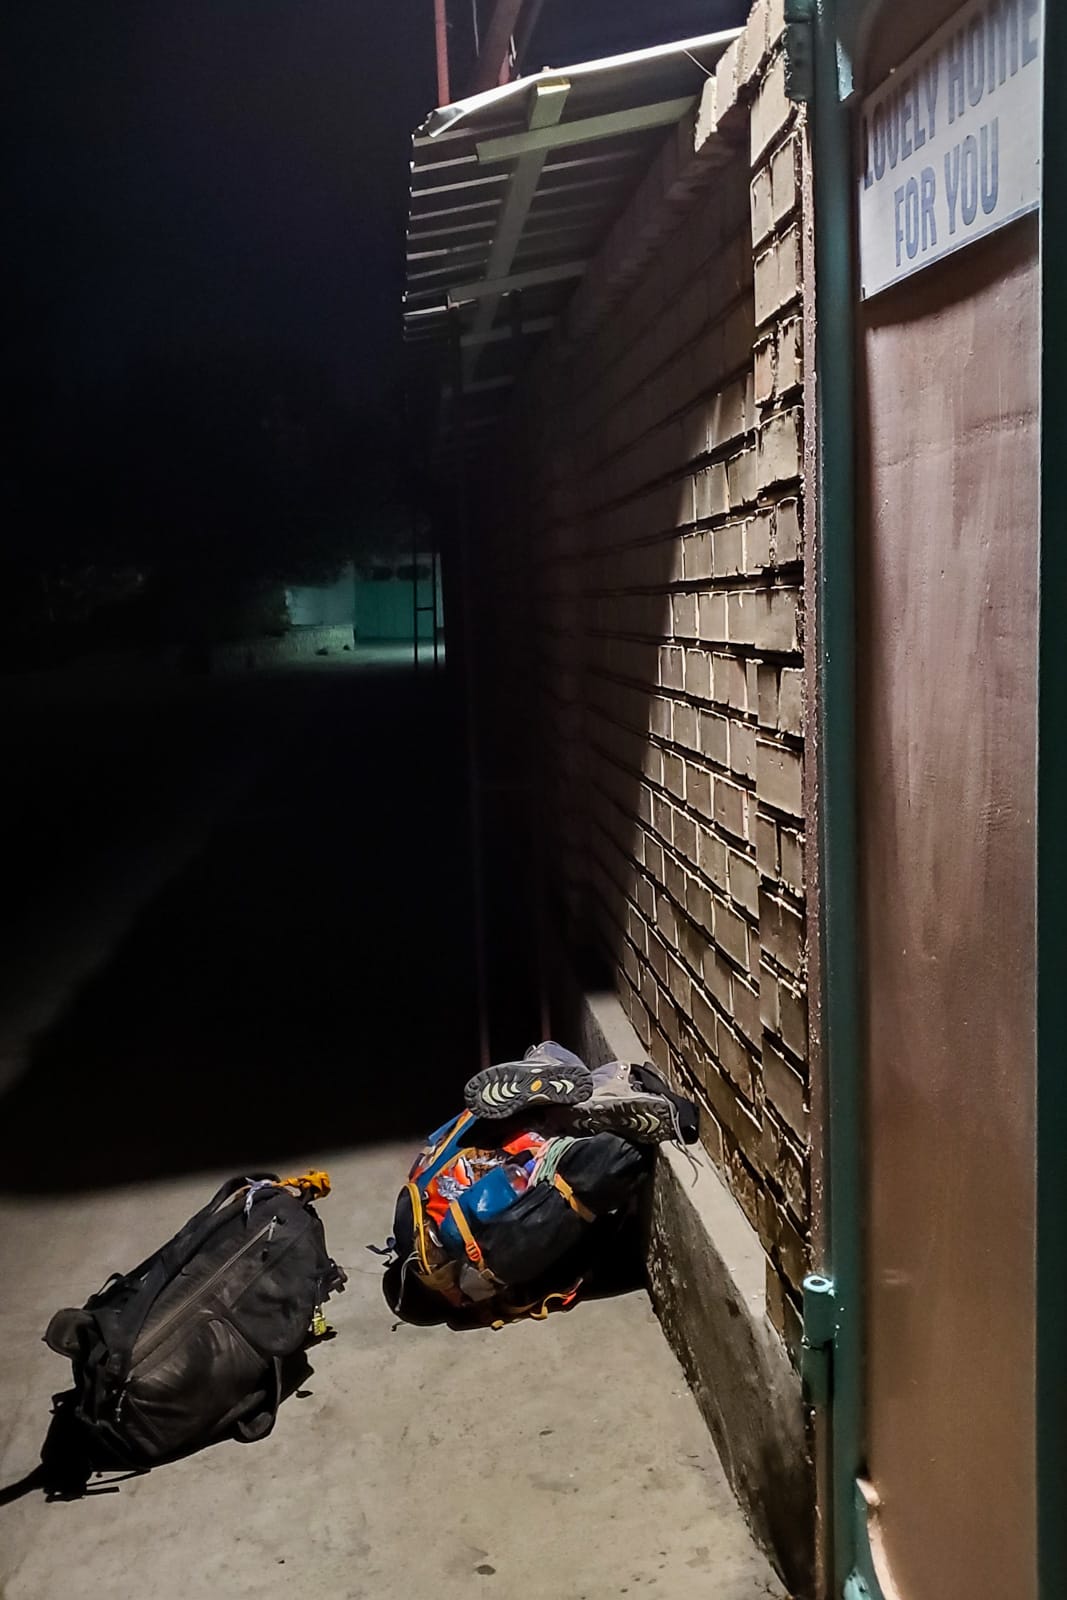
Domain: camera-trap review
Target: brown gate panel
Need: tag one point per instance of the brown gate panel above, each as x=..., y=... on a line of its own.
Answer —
x=948, y=531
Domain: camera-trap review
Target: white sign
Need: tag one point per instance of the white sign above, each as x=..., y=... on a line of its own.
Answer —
x=951, y=142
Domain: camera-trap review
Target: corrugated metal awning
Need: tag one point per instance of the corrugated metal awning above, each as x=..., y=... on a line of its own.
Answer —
x=513, y=190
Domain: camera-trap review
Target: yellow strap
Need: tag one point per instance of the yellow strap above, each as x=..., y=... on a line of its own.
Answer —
x=538, y=1310
x=418, y=1217
x=317, y=1184
x=565, y=1302
x=572, y=1199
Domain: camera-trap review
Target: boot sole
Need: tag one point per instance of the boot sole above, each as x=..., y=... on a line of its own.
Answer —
x=502, y=1091
x=630, y=1119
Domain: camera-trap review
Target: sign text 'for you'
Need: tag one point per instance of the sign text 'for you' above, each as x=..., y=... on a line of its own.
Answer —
x=951, y=142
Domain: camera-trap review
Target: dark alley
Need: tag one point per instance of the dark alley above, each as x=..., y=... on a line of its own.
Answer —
x=301, y=991
x=310, y=955
x=531, y=700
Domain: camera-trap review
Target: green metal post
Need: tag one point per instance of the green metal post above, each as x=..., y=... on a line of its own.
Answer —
x=834, y=279
x=1052, y=850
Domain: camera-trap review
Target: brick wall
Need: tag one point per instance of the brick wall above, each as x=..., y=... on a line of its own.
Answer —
x=650, y=567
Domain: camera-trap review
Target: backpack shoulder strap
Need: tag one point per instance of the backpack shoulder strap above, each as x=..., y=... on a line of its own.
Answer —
x=447, y=1148
x=559, y=1182
x=471, y=1246
x=418, y=1217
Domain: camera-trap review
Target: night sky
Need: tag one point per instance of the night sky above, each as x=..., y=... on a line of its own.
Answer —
x=185, y=169
x=204, y=269
x=203, y=278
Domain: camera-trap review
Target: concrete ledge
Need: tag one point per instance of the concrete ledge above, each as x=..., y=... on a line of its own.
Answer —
x=707, y=1278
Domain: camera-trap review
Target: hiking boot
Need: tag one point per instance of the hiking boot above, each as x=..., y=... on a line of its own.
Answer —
x=547, y=1075
x=616, y=1105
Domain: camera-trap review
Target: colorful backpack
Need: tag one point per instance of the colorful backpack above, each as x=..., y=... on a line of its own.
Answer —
x=499, y=1228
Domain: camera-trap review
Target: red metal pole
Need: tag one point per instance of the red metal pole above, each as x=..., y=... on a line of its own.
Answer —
x=440, y=21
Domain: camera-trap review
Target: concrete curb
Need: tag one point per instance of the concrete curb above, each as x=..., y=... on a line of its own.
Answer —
x=707, y=1276
x=299, y=644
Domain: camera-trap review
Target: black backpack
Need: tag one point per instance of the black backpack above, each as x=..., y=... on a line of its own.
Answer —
x=189, y=1346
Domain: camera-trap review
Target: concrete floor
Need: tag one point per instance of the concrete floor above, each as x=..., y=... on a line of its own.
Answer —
x=301, y=983
x=561, y=1461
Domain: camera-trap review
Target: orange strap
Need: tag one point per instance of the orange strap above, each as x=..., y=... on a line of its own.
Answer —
x=572, y=1199
x=470, y=1243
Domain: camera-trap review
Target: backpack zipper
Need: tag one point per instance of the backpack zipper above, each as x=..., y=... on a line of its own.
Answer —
x=266, y=1231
